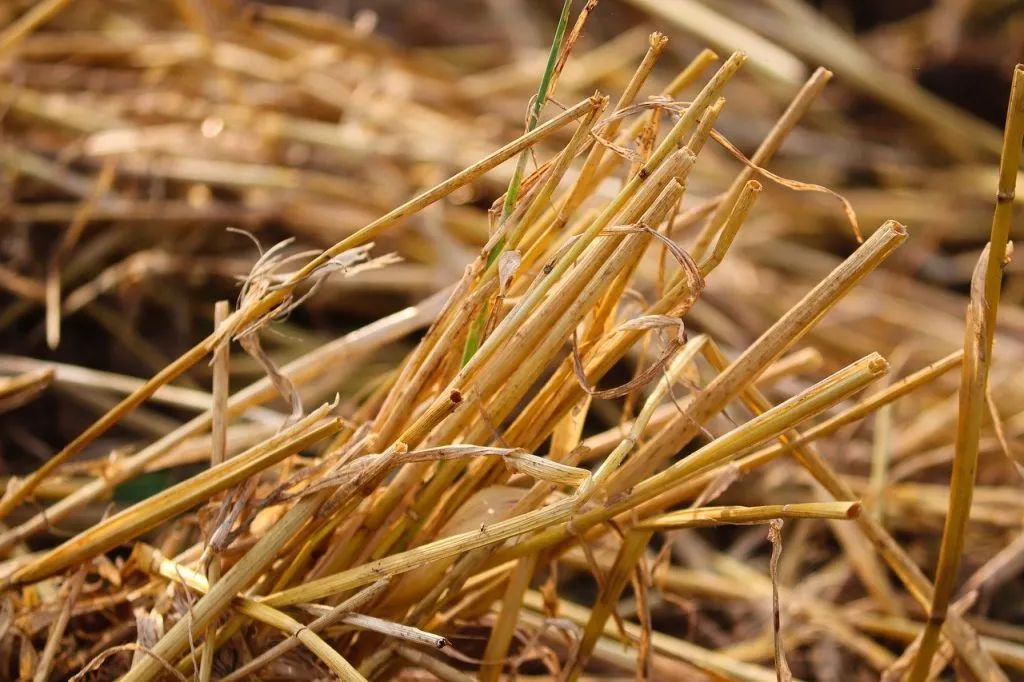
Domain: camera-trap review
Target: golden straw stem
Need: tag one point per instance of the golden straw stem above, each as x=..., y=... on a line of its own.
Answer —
x=139, y=518
x=978, y=337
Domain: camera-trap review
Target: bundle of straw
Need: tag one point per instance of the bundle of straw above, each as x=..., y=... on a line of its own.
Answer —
x=450, y=519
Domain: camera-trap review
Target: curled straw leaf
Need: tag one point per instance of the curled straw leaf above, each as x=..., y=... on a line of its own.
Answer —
x=795, y=185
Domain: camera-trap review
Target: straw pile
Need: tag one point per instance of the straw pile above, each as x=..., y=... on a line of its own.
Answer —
x=637, y=423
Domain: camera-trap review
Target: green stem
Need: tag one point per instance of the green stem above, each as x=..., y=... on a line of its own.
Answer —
x=476, y=331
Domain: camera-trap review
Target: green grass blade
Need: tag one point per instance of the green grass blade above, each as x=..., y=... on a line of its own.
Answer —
x=512, y=195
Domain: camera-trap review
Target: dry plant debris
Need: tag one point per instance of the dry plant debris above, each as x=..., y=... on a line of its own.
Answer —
x=610, y=352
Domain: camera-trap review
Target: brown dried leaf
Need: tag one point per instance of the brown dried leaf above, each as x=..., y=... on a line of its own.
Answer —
x=775, y=537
